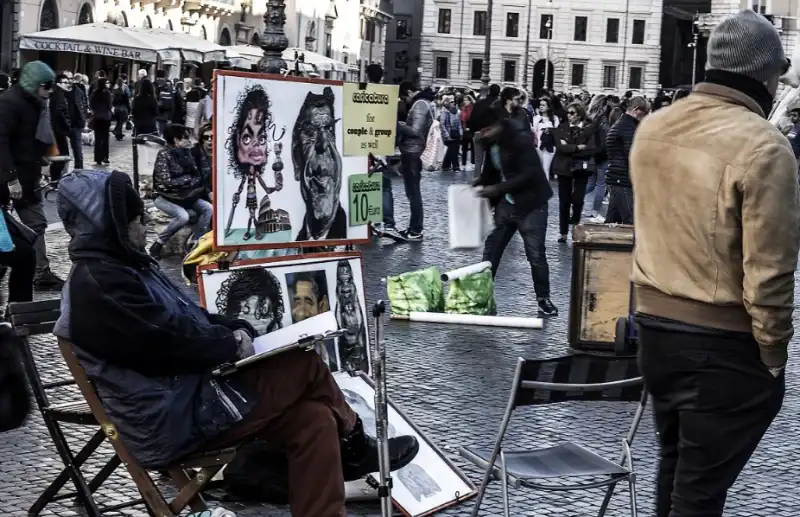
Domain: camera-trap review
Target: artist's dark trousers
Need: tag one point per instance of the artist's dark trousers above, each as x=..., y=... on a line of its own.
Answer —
x=450, y=161
x=571, y=191
x=713, y=400
x=302, y=411
x=532, y=227
x=620, y=205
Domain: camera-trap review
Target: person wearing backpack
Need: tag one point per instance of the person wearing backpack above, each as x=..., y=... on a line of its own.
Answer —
x=414, y=135
x=166, y=100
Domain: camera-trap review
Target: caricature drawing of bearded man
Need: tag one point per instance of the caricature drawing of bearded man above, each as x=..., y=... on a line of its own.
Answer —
x=318, y=168
x=353, y=344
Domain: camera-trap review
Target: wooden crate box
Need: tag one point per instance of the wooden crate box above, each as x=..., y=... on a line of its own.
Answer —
x=600, y=291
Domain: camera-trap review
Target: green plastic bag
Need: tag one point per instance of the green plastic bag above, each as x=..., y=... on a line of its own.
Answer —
x=416, y=291
x=472, y=294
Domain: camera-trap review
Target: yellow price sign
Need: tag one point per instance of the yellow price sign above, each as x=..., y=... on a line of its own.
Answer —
x=369, y=119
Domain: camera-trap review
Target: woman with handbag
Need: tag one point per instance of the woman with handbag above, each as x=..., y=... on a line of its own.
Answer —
x=576, y=142
x=178, y=185
x=451, y=133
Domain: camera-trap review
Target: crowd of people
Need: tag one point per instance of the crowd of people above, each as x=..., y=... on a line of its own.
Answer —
x=713, y=266
x=47, y=116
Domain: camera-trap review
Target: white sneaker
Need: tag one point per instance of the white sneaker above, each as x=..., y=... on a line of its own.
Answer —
x=216, y=512
x=598, y=219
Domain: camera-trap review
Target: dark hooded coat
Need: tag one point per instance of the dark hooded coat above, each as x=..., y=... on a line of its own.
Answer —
x=145, y=345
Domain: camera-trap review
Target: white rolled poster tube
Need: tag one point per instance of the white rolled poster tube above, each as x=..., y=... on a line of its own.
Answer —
x=471, y=319
x=466, y=270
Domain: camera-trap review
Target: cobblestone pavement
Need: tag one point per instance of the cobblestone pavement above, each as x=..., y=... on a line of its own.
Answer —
x=452, y=381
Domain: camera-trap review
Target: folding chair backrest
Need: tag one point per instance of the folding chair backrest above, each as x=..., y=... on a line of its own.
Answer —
x=140, y=477
x=578, y=377
x=33, y=319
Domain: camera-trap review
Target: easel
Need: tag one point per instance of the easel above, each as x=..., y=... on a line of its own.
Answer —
x=384, y=484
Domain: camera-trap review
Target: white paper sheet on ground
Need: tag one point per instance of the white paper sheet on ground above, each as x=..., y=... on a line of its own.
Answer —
x=472, y=319
x=469, y=217
x=319, y=324
x=466, y=270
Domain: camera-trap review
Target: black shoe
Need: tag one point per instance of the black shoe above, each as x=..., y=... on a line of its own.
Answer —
x=48, y=281
x=360, y=453
x=106, y=162
x=562, y=239
x=393, y=233
x=412, y=235
x=546, y=308
x=155, y=250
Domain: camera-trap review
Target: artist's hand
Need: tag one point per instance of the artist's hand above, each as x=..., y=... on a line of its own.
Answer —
x=244, y=343
x=581, y=147
x=563, y=142
x=476, y=182
x=15, y=189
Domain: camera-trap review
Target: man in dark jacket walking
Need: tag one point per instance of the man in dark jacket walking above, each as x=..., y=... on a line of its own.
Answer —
x=518, y=185
x=166, y=99
x=25, y=137
x=483, y=116
x=618, y=147
x=414, y=135
x=150, y=352
x=61, y=123
x=78, y=107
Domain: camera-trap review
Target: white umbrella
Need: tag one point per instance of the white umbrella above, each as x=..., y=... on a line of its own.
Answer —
x=321, y=62
x=193, y=48
x=100, y=39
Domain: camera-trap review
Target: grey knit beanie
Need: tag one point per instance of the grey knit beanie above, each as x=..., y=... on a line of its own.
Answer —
x=746, y=44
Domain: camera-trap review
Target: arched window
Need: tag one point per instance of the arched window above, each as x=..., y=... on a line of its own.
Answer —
x=225, y=37
x=255, y=40
x=121, y=19
x=86, y=15
x=147, y=23
x=169, y=25
x=48, y=19
x=204, y=33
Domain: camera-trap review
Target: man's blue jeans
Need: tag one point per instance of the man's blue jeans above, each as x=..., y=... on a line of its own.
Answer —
x=597, y=187
x=411, y=170
x=532, y=227
x=76, y=142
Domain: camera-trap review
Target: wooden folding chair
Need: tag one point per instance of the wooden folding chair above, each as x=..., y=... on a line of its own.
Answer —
x=190, y=483
x=34, y=319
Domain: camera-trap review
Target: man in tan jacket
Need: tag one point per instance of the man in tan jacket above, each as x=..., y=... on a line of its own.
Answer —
x=717, y=225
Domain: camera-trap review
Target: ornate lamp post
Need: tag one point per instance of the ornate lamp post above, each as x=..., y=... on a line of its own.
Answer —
x=487, y=52
x=274, y=40
x=549, y=27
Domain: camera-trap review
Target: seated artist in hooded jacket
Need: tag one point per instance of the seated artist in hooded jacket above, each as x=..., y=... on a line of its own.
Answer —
x=149, y=351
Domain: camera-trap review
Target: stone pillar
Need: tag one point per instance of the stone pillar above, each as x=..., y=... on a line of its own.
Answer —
x=274, y=40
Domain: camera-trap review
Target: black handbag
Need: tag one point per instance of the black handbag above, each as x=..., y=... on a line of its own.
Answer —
x=18, y=230
x=15, y=402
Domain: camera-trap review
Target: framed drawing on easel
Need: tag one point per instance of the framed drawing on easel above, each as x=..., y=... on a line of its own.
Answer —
x=280, y=174
x=428, y=484
x=275, y=293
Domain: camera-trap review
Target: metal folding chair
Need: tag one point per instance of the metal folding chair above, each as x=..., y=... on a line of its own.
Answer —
x=578, y=377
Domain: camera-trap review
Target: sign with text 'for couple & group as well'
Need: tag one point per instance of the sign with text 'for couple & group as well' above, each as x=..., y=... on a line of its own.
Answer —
x=369, y=119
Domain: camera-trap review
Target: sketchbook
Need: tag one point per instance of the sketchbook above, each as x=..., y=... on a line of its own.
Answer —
x=304, y=334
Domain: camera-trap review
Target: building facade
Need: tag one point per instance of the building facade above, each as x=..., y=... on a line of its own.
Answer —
x=333, y=28
x=403, y=42
x=603, y=47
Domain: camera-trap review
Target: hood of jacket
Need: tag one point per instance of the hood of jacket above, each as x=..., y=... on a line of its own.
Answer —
x=92, y=220
x=425, y=95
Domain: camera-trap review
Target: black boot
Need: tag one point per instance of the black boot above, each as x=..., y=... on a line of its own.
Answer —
x=155, y=250
x=360, y=453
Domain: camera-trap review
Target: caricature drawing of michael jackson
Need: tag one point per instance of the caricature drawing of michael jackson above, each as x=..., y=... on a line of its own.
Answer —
x=248, y=149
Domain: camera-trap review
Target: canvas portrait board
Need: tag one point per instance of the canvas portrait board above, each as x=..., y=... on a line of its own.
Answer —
x=281, y=178
x=274, y=294
x=430, y=482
